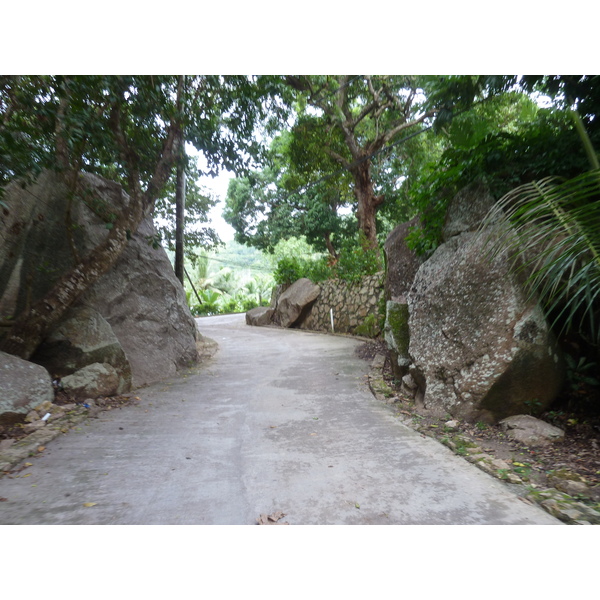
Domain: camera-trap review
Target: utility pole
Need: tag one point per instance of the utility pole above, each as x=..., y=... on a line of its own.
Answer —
x=179, y=220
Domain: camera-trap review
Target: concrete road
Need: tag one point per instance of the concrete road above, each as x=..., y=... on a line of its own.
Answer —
x=277, y=420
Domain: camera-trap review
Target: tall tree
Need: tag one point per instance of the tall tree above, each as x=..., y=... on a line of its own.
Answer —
x=128, y=128
x=282, y=200
x=366, y=113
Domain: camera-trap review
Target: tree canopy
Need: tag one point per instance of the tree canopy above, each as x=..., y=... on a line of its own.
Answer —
x=353, y=142
x=130, y=129
x=322, y=157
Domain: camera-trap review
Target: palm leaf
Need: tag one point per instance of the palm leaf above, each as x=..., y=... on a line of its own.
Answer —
x=551, y=231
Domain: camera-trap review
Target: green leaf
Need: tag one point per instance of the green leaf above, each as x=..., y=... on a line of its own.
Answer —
x=551, y=228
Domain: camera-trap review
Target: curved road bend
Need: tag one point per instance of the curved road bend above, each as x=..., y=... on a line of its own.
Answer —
x=276, y=420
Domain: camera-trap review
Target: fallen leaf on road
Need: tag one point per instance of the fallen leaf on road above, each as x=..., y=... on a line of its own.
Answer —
x=3, y=499
x=28, y=465
x=88, y=504
x=271, y=519
x=41, y=448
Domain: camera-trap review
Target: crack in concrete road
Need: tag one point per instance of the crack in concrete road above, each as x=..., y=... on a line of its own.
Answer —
x=277, y=420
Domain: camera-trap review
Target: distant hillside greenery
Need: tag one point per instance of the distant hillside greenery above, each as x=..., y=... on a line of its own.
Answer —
x=236, y=278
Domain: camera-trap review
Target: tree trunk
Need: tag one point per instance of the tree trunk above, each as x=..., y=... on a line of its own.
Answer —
x=332, y=252
x=30, y=327
x=367, y=202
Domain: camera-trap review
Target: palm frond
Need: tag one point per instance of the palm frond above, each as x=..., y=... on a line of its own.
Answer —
x=551, y=231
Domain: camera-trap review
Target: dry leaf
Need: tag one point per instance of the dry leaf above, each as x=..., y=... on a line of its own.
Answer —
x=41, y=448
x=271, y=519
x=28, y=475
x=28, y=465
x=88, y=504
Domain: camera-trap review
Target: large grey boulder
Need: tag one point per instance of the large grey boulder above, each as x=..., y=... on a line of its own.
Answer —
x=467, y=210
x=140, y=298
x=402, y=263
x=23, y=386
x=83, y=337
x=295, y=302
x=259, y=316
x=481, y=350
x=145, y=305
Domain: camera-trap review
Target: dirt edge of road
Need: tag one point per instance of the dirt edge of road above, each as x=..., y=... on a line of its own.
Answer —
x=461, y=439
x=508, y=461
x=68, y=414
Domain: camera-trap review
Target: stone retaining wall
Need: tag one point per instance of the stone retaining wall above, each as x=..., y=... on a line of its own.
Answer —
x=351, y=304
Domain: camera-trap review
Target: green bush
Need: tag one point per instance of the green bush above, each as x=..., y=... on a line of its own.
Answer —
x=290, y=269
x=505, y=159
x=209, y=304
x=356, y=261
x=248, y=304
x=230, y=306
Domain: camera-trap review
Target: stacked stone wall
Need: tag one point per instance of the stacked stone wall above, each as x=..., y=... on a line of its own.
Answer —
x=352, y=303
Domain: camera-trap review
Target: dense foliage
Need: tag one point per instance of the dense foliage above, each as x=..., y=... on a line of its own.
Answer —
x=131, y=129
x=356, y=260
x=507, y=140
x=337, y=155
x=117, y=126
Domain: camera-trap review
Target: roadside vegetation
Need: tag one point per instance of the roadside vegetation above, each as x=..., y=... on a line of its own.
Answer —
x=335, y=161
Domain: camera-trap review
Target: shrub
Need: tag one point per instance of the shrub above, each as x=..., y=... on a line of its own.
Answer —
x=290, y=269
x=356, y=261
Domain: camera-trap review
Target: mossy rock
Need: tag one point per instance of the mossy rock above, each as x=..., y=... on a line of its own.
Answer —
x=397, y=335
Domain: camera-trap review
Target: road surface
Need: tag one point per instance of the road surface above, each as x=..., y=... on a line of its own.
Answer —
x=277, y=420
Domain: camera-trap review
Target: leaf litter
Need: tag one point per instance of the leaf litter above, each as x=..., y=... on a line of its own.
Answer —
x=272, y=519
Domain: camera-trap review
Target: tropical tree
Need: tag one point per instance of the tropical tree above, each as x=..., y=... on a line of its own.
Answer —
x=551, y=227
x=356, y=118
x=551, y=230
x=282, y=201
x=128, y=128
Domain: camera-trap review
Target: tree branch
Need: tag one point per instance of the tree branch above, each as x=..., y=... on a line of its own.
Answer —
x=60, y=135
x=394, y=131
x=129, y=156
x=337, y=157
x=169, y=153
